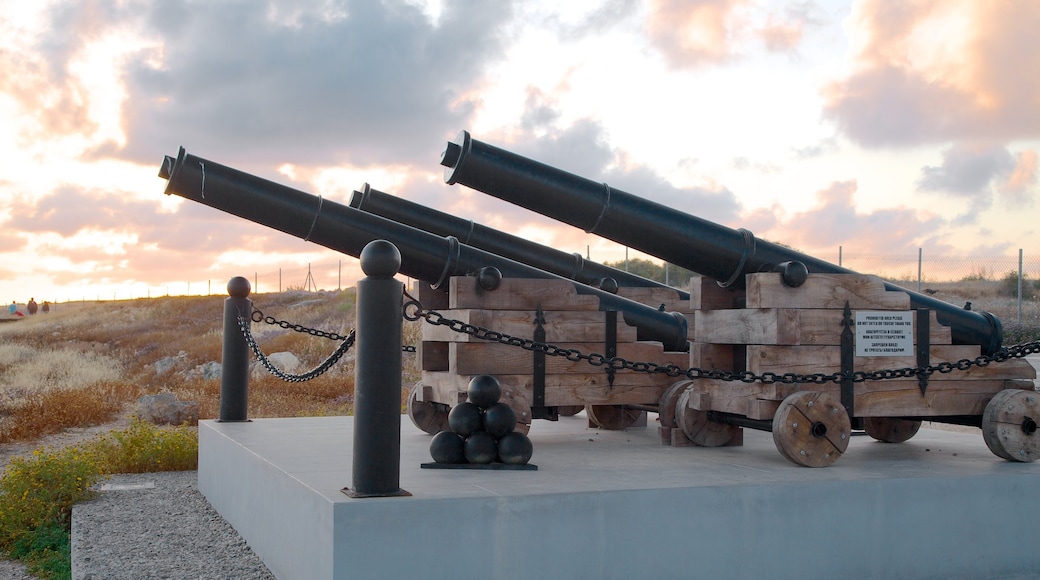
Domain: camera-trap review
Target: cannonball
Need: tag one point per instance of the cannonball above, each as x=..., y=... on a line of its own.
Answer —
x=499, y=419
x=515, y=449
x=465, y=418
x=480, y=448
x=484, y=391
x=448, y=447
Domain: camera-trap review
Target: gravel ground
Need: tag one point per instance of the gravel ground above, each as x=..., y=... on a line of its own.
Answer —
x=157, y=525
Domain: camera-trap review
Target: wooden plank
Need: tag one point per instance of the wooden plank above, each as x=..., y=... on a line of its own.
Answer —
x=430, y=298
x=706, y=294
x=432, y=356
x=519, y=294
x=733, y=397
x=565, y=390
x=560, y=326
x=792, y=326
x=827, y=360
x=766, y=290
x=761, y=409
x=471, y=358
x=713, y=356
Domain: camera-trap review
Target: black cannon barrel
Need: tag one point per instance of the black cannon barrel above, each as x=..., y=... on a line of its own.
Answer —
x=696, y=244
x=424, y=255
x=468, y=232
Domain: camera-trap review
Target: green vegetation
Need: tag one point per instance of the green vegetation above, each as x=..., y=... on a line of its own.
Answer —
x=37, y=491
x=677, y=276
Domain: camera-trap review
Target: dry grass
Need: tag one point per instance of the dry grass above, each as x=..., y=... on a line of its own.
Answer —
x=87, y=363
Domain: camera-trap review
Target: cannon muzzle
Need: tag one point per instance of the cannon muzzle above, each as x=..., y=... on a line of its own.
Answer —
x=468, y=232
x=424, y=256
x=696, y=244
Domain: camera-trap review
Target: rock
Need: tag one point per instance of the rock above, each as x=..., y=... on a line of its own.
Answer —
x=165, y=409
x=206, y=371
x=284, y=361
x=163, y=365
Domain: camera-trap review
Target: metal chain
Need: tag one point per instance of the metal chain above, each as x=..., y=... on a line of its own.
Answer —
x=672, y=370
x=348, y=341
x=258, y=316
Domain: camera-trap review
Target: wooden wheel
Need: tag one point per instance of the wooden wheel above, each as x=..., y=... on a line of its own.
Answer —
x=890, y=429
x=669, y=401
x=1009, y=425
x=698, y=429
x=612, y=417
x=811, y=429
x=569, y=410
x=429, y=417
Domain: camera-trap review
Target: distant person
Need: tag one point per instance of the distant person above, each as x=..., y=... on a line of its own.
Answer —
x=46, y=307
x=13, y=308
x=31, y=307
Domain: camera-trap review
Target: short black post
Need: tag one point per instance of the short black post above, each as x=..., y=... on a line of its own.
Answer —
x=377, y=375
x=234, y=366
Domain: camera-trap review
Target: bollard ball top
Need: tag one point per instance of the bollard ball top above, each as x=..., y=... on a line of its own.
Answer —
x=238, y=287
x=380, y=258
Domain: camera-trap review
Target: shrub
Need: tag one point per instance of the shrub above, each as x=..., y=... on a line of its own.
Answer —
x=1009, y=286
x=37, y=491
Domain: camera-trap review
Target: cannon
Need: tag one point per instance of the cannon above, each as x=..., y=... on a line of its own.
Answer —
x=468, y=232
x=699, y=245
x=812, y=349
x=525, y=299
x=425, y=256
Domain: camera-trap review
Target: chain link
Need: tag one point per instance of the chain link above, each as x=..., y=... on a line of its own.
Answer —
x=413, y=311
x=348, y=341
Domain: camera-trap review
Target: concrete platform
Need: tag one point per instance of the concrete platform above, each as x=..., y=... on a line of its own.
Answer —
x=620, y=505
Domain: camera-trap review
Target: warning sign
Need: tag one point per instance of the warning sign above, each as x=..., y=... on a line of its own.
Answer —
x=884, y=333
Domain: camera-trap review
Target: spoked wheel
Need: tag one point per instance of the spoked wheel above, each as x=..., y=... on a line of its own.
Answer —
x=612, y=417
x=1009, y=425
x=698, y=428
x=890, y=429
x=429, y=417
x=811, y=429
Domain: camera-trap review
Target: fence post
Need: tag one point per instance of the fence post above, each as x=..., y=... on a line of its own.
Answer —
x=1020, y=285
x=234, y=366
x=377, y=375
x=920, y=260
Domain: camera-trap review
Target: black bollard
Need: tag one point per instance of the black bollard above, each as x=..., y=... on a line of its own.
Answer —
x=234, y=366
x=377, y=375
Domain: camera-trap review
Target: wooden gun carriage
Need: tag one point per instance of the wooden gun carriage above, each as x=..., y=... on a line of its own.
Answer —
x=772, y=321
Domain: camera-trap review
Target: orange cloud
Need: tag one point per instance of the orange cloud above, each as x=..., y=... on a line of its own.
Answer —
x=694, y=33
x=781, y=35
x=927, y=71
x=1023, y=178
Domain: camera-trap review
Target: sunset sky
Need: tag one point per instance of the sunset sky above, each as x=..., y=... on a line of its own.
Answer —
x=881, y=127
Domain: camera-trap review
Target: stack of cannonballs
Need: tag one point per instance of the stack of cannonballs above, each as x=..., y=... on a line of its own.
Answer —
x=482, y=430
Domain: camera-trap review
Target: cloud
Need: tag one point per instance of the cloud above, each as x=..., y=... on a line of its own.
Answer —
x=364, y=82
x=121, y=238
x=932, y=71
x=1021, y=183
x=696, y=33
x=834, y=221
x=967, y=171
